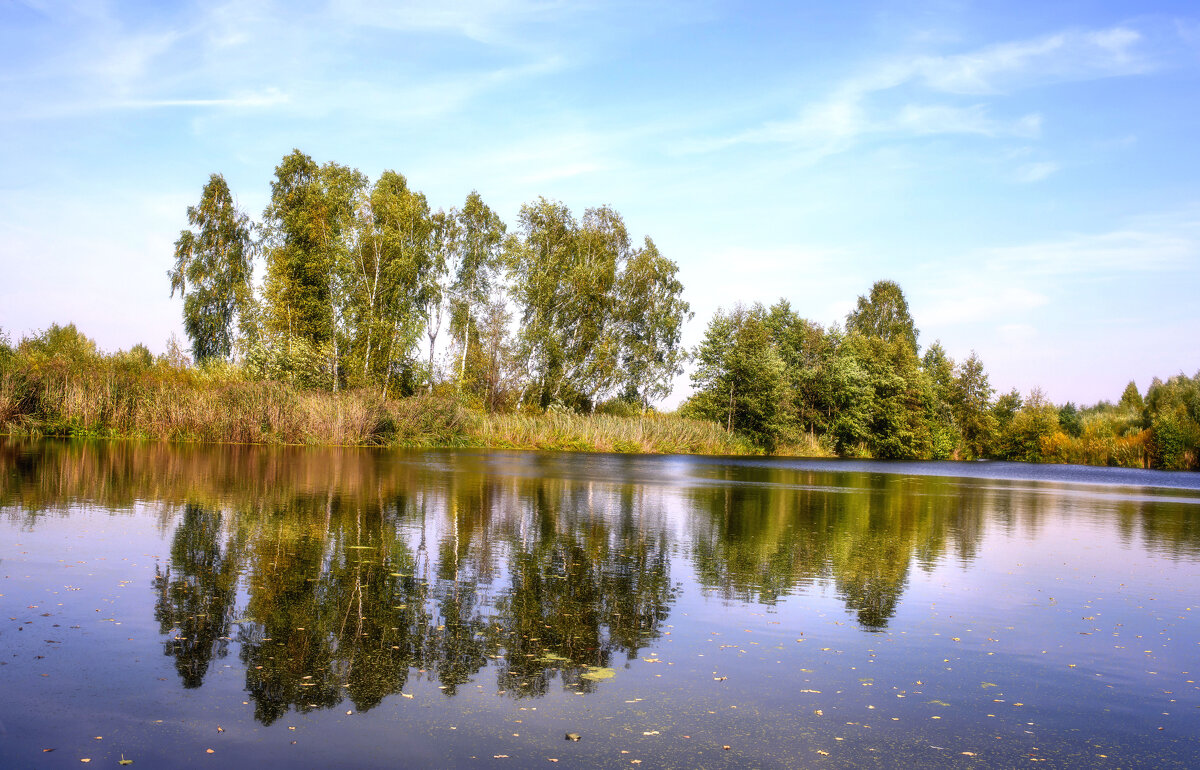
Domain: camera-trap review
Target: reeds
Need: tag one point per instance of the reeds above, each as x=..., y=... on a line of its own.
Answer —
x=649, y=434
x=165, y=403
x=182, y=405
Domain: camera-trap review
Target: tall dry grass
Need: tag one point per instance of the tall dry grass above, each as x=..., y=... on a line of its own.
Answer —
x=183, y=405
x=649, y=434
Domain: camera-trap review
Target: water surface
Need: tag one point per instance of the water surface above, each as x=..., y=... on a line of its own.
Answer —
x=181, y=605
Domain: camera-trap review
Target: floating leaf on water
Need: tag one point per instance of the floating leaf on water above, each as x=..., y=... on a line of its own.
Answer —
x=573, y=736
x=125, y=761
x=597, y=673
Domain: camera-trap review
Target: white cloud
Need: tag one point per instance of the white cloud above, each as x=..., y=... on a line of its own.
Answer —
x=857, y=107
x=1013, y=287
x=922, y=119
x=1159, y=244
x=1066, y=56
x=267, y=98
x=1036, y=172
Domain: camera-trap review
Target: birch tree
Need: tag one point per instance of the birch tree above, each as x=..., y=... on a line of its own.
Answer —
x=213, y=270
x=475, y=272
x=651, y=313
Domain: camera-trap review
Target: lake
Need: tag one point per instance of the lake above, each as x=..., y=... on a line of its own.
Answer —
x=182, y=605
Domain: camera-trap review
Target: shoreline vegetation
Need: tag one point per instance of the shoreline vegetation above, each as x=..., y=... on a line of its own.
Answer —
x=558, y=334
x=57, y=384
x=131, y=396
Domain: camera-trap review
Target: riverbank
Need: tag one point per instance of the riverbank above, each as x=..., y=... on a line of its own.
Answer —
x=162, y=403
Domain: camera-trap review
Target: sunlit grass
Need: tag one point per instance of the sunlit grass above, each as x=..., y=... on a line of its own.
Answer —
x=218, y=406
x=649, y=434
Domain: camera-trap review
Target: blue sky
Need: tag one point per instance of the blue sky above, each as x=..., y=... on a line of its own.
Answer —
x=1027, y=171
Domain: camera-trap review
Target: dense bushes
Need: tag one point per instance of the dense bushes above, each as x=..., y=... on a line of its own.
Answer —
x=788, y=384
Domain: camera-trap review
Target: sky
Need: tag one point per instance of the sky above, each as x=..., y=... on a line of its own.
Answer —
x=1026, y=171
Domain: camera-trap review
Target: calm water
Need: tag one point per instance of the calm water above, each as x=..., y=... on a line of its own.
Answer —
x=310, y=607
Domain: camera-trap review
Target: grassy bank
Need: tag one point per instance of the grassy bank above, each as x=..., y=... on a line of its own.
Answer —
x=130, y=399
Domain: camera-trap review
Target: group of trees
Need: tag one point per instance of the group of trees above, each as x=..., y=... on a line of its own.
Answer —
x=868, y=390
x=361, y=279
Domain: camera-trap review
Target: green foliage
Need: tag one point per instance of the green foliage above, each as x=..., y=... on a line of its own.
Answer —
x=597, y=316
x=1036, y=420
x=970, y=398
x=1131, y=398
x=563, y=274
x=213, y=270
x=903, y=401
x=476, y=276
x=650, y=315
x=1069, y=420
x=739, y=376
x=308, y=224
x=884, y=314
x=387, y=294
x=1173, y=409
x=357, y=273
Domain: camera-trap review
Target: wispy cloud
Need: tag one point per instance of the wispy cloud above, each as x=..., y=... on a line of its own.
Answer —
x=238, y=55
x=1154, y=244
x=927, y=119
x=267, y=98
x=989, y=285
x=1036, y=172
x=1066, y=56
x=493, y=22
x=865, y=105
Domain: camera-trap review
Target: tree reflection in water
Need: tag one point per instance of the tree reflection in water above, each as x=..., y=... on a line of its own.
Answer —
x=339, y=574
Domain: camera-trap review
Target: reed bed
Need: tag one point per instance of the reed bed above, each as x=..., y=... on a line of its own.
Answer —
x=162, y=403
x=649, y=434
x=184, y=406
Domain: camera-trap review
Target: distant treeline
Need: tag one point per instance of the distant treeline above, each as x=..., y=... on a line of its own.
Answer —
x=359, y=276
x=562, y=315
x=867, y=390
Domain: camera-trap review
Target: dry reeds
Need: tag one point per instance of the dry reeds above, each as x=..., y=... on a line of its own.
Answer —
x=649, y=434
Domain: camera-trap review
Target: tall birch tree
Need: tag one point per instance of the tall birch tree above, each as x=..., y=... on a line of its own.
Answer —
x=213, y=270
